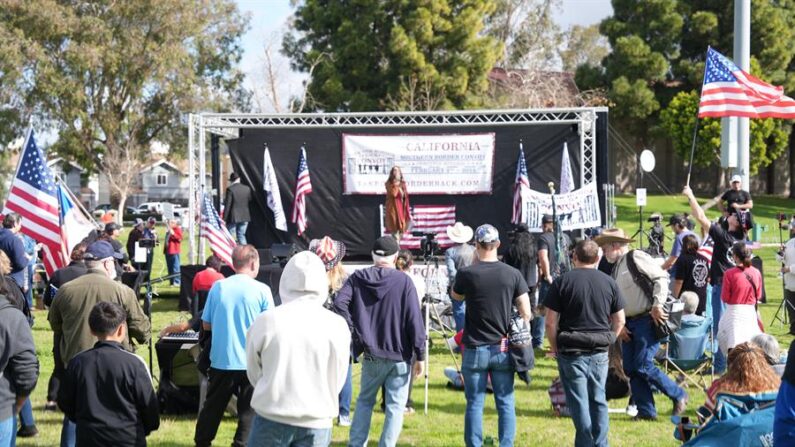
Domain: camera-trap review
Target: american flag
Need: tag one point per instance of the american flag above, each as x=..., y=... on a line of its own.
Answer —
x=34, y=195
x=520, y=187
x=427, y=219
x=303, y=186
x=214, y=230
x=729, y=91
x=705, y=249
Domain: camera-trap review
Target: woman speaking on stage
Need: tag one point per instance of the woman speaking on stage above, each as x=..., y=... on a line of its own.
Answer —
x=397, y=204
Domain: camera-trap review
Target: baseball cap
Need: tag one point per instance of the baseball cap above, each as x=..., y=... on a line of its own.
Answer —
x=111, y=227
x=677, y=219
x=138, y=222
x=486, y=234
x=737, y=179
x=547, y=218
x=101, y=250
x=385, y=246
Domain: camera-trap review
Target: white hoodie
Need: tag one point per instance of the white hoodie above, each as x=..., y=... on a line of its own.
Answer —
x=297, y=353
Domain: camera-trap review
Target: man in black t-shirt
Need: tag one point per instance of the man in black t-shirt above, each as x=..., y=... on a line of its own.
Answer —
x=722, y=241
x=491, y=289
x=736, y=198
x=585, y=314
x=550, y=269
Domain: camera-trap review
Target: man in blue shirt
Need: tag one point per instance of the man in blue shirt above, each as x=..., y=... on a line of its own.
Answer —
x=678, y=223
x=12, y=244
x=232, y=306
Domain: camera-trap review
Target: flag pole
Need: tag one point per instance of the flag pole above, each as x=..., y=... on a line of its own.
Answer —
x=692, y=150
x=79, y=204
x=19, y=162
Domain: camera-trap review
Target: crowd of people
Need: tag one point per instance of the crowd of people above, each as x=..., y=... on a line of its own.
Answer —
x=603, y=309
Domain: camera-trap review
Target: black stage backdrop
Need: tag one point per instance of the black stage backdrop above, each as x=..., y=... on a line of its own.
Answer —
x=353, y=219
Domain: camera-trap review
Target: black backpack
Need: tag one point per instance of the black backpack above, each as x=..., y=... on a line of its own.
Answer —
x=647, y=286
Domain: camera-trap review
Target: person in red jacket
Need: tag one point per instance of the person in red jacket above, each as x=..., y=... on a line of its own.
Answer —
x=173, y=248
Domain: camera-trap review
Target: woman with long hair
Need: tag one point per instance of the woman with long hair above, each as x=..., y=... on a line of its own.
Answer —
x=523, y=256
x=692, y=272
x=747, y=372
x=742, y=288
x=397, y=204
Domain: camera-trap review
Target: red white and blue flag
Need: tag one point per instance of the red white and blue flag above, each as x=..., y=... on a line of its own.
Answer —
x=433, y=219
x=730, y=91
x=520, y=187
x=706, y=248
x=214, y=230
x=303, y=186
x=34, y=195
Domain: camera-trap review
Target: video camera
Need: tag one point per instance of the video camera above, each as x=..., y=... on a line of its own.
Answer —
x=428, y=244
x=147, y=243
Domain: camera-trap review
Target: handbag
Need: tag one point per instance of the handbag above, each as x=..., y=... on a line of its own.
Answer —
x=756, y=302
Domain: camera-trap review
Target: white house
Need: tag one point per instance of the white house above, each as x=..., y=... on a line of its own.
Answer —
x=164, y=181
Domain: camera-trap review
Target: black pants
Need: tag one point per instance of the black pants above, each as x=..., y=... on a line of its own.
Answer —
x=789, y=303
x=57, y=371
x=222, y=385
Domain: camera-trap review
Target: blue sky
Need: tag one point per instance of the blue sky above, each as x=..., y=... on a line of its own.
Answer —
x=270, y=16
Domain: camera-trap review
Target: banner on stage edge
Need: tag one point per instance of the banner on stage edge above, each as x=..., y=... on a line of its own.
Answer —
x=577, y=210
x=431, y=164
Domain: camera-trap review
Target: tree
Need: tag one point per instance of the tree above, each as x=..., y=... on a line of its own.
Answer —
x=114, y=76
x=584, y=45
x=376, y=50
x=527, y=30
x=657, y=60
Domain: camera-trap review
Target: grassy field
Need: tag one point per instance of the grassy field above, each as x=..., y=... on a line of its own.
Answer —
x=443, y=426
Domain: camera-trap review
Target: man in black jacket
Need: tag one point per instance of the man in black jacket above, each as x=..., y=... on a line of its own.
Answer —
x=107, y=391
x=19, y=367
x=236, y=211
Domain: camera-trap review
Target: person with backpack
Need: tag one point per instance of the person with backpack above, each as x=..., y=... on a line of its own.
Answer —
x=644, y=286
x=553, y=261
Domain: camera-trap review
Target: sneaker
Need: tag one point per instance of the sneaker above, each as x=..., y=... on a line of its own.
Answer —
x=344, y=421
x=408, y=411
x=644, y=417
x=51, y=406
x=27, y=431
x=632, y=410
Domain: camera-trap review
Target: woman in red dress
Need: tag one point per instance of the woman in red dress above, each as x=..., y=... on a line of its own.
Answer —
x=397, y=204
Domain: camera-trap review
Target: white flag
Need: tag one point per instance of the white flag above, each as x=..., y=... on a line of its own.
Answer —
x=272, y=194
x=566, y=177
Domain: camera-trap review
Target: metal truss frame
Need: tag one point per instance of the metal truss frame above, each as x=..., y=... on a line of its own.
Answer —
x=227, y=125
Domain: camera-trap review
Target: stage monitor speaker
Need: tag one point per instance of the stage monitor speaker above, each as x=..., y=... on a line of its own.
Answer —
x=283, y=251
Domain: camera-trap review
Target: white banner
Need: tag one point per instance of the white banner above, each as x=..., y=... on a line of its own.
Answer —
x=578, y=209
x=431, y=164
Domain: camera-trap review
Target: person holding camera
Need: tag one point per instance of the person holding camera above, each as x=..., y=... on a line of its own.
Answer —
x=787, y=258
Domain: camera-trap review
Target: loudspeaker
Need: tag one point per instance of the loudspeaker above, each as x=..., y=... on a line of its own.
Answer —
x=283, y=251
x=265, y=255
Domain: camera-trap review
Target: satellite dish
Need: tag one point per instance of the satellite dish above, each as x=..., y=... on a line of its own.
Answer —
x=647, y=160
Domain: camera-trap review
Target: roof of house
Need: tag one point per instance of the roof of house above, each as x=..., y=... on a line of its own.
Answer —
x=59, y=160
x=164, y=163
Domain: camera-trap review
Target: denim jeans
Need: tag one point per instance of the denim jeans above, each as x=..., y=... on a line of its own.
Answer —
x=172, y=264
x=265, y=432
x=477, y=364
x=238, y=230
x=346, y=393
x=395, y=376
x=459, y=311
x=717, y=310
x=68, y=433
x=538, y=321
x=639, y=366
x=8, y=432
x=26, y=415
x=583, y=377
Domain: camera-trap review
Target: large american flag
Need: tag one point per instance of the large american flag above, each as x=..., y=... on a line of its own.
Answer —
x=303, y=186
x=730, y=91
x=34, y=195
x=214, y=230
x=520, y=186
x=427, y=219
x=706, y=248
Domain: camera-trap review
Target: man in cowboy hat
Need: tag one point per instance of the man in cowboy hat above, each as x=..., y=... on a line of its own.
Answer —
x=642, y=311
x=457, y=257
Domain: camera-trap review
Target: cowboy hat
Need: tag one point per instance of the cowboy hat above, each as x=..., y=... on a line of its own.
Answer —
x=612, y=235
x=328, y=250
x=459, y=233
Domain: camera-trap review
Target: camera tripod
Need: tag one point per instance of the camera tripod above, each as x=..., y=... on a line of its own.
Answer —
x=784, y=318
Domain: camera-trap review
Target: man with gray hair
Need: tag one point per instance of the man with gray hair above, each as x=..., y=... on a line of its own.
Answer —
x=73, y=302
x=382, y=310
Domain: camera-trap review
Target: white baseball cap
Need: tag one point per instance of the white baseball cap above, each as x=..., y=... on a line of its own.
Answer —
x=736, y=179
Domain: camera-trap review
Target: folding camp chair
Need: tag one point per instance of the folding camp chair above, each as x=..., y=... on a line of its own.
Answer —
x=688, y=351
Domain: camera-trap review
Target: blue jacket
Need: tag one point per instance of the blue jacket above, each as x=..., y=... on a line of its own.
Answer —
x=383, y=312
x=12, y=245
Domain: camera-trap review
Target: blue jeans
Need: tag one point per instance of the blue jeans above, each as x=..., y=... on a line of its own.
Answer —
x=583, y=377
x=29, y=280
x=238, y=230
x=346, y=393
x=172, y=264
x=8, y=432
x=459, y=311
x=639, y=366
x=265, y=432
x=68, y=433
x=476, y=366
x=394, y=376
x=717, y=310
x=26, y=414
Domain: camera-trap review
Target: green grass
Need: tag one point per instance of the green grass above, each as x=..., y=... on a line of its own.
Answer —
x=443, y=426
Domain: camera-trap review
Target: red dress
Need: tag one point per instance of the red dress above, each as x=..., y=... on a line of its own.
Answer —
x=397, y=208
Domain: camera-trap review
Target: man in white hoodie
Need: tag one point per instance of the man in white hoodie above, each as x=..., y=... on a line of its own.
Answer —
x=297, y=359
